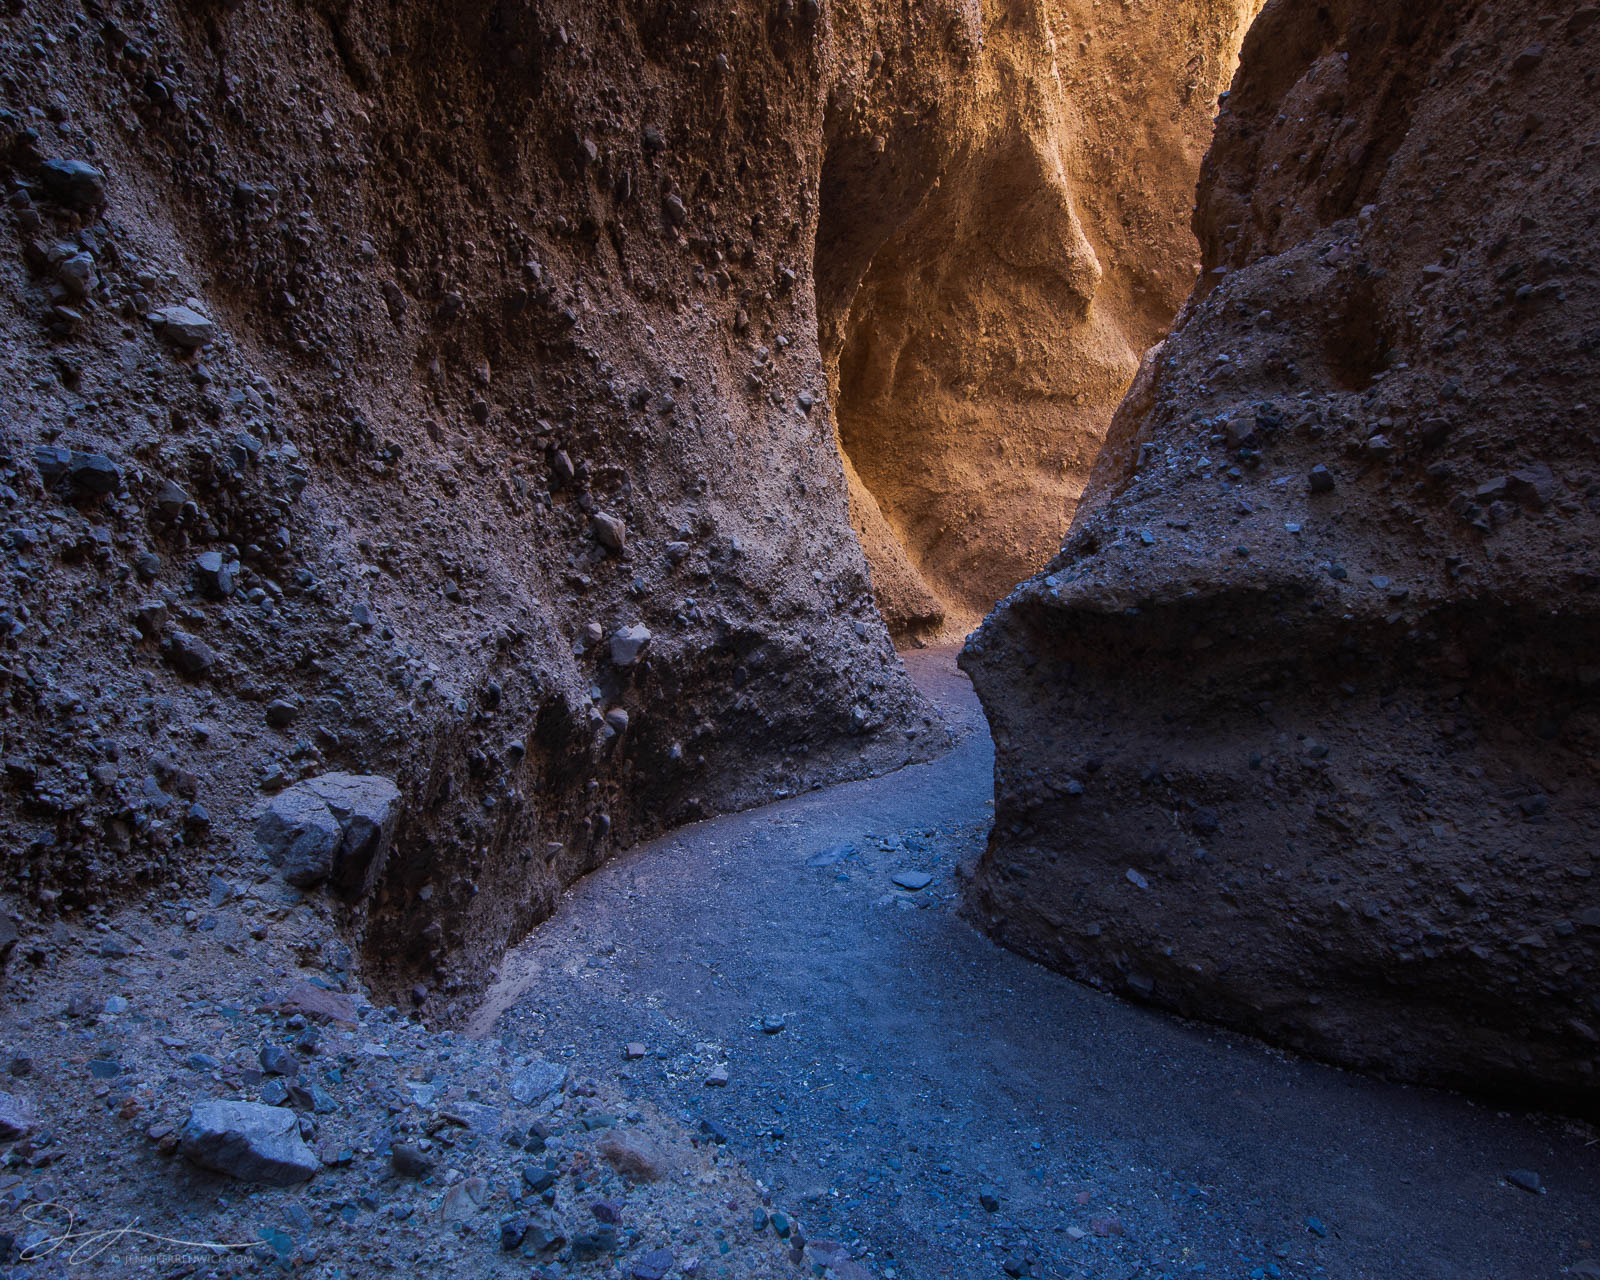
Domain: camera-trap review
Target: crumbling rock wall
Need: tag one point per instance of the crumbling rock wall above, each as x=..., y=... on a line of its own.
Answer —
x=987, y=287
x=1299, y=730
x=368, y=370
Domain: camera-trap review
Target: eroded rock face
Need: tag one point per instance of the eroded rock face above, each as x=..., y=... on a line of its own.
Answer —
x=988, y=284
x=412, y=343
x=1297, y=732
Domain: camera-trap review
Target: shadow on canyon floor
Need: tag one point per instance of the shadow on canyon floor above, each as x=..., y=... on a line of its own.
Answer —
x=962, y=1111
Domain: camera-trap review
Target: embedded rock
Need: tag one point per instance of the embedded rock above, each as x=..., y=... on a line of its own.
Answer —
x=74, y=183
x=627, y=643
x=336, y=825
x=184, y=327
x=16, y=1116
x=536, y=1080
x=1297, y=732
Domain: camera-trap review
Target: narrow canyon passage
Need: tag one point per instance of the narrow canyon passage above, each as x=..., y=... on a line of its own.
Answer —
x=469, y=473
x=922, y=1074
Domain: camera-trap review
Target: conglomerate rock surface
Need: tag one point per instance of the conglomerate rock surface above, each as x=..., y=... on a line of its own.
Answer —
x=986, y=289
x=431, y=393
x=1299, y=732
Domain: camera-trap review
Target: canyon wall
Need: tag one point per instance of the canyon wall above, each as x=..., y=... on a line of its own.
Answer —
x=981, y=333
x=1299, y=731
x=442, y=397
x=428, y=392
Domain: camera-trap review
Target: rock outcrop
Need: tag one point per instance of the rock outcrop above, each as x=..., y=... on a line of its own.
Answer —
x=1298, y=733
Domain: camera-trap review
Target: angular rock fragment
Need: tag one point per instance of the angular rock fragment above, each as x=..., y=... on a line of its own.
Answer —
x=248, y=1141
x=190, y=654
x=336, y=825
x=16, y=1116
x=627, y=643
x=609, y=531
x=74, y=183
x=536, y=1080
x=184, y=327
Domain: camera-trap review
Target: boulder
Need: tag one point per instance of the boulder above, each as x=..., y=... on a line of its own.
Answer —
x=248, y=1141
x=300, y=836
x=335, y=826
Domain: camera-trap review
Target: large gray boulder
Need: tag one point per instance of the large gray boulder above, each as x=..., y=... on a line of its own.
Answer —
x=333, y=827
x=249, y=1141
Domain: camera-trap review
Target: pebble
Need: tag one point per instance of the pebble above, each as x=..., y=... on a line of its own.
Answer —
x=912, y=880
x=654, y=1265
x=190, y=654
x=463, y=1200
x=609, y=531
x=717, y=1077
x=1527, y=1179
x=94, y=473
x=633, y=1155
x=215, y=574
x=281, y=713
x=1528, y=59
x=277, y=1061
x=538, y=1179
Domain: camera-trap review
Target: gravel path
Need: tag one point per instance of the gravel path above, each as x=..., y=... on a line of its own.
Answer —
x=922, y=1074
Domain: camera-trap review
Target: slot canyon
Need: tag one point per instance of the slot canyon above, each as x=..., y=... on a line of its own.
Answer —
x=746, y=639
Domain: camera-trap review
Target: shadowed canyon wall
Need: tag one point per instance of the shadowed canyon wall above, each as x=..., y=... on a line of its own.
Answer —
x=499, y=342
x=433, y=393
x=1299, y=730
x=981, y=330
